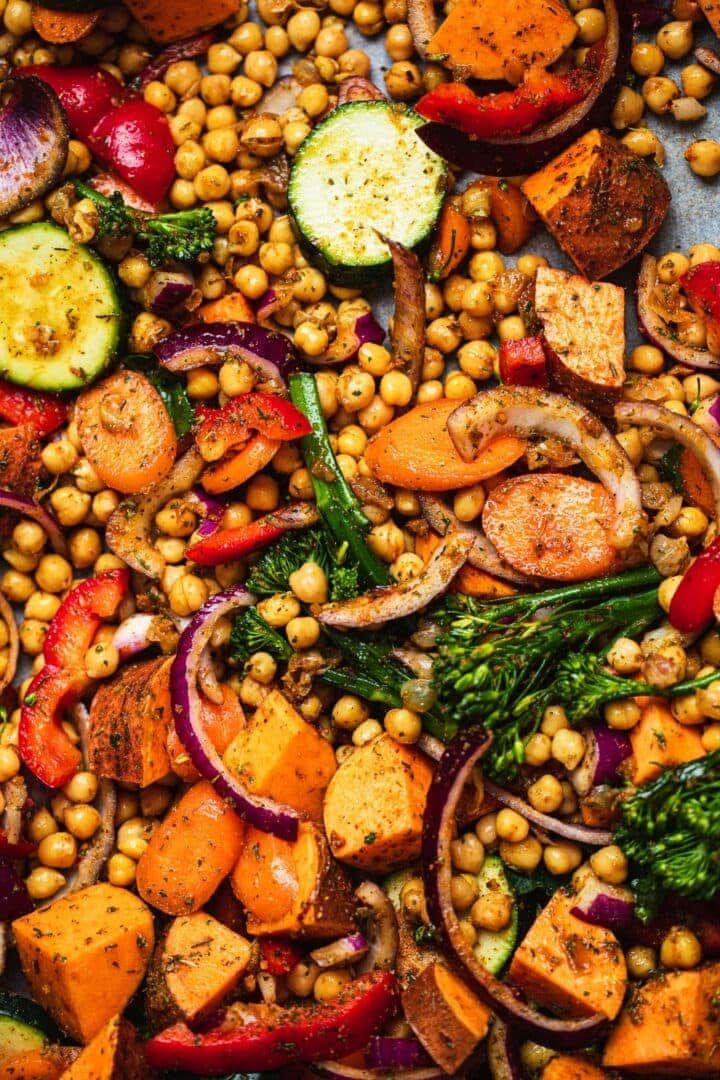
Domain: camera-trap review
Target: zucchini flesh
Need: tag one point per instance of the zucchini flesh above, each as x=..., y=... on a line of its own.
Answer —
x=61, y=317
x=361, y=172
x=23, y=1026
x=493, y=948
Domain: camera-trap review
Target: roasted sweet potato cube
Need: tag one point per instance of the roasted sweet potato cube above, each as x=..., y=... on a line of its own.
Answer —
x=183, y=18
x=601, y=203
x=568, y=965
x=670, y=1027
x=374, y=805
x=572, y=1067
x=711, y=11
x=47, y=1063
x=85, y=955
x=114, y=1054
x=659, y=742
x=293, y=889
x=283, y=757
x=19, y=459
x=448, y=1019
x=129, y=721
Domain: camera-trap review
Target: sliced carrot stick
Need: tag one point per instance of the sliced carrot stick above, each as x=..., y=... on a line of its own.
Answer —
x=63, y=27
x=451, y=242
x=415, y=451
x=190, y=852
x=696, y=486
x=552, y=526
x=126, y=431
x=221, y=723
x=230, y=308
x=254, y=456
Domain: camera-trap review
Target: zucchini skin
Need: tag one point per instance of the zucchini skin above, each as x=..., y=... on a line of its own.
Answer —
x=24, y=1011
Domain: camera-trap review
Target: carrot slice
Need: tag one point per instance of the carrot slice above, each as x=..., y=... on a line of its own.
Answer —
x=415, y=451
x=696, y=486
x=63, y=27
x=552, y=526
x=126, y=432
x=451, y=242
x=254, y=456
x=231, y=308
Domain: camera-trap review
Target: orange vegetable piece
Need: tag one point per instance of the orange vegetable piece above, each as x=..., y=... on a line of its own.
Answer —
x=221, y=722
x=48, y=1063
x=415, y=451
x=696, y=486
x=254, y=456
x=182, y=18
x=374, y=805
x=105, y=937
x=293, y=888
x=19, y=460
x=553, y=526
x=233, y=307
x=563, y=963
x=659, y=741
x=448, y=1019
x=671, y=1026
x=488, y=40
x=63, y=27
x=451, y=241
x=711, y=11
x=190, y=852
x=126, y=432
x=572, y=1067
x=469, y=580
x=115, y=1053
x=510, y=212
x=279, y=755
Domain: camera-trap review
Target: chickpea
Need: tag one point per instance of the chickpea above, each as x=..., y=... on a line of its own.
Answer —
x=301, y=978
x=403, y=80
x=467, y=853
x=245, y=92
x=463, y=891
x=622, y=715
x=58, y=851
x=676, y=39
x=625, y=656
x=263, y=493
x=708, y=699
x=492, y=911
x=554, y=720
x=666, y=666
x=700, y=253
x=9, y=764
x=187, y=594
x=311, y=339
x=399, y=43
x=309, y=583
x=710, y=738
x=366, y=732
x=42, y=824
x=349, y=712
x=562, y=857
x=568, y=747
x=85, y=546
x=53, y=574
x=703, y=157
x=610, y=864
x=81, y=821
x=697, y=81
x=70, y=505
x=511, y=826
x=404, y=725
x=59, y=457
x=545, y=794
x=681, y=949
x=303, y=632
x=374, y=359
x=386, y=541
x=302, y=29
x=121, y=870
x=647, y=58
x=29, y=538
x=641, y=961
x=592, y=25
x=101, y=660
x=523, y=854
x=328, y=984
x=658, y=92
x=42, y=882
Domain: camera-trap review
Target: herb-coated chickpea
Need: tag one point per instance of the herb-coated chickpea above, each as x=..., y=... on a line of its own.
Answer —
x=523, y=854
x=562, y=857
x=309, y=583
x=492, y=911
x=610, y=864
x=366, y=732
x=511, y=826
x=641, y=961
x=681, y=949
x=43, y=882
x=703, y=157
x=467, y=853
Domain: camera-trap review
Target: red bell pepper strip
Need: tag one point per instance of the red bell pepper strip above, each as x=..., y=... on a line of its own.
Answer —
x=522, y=362
x=225, y=545
x=691, y=608
x=44, y=746
x=279, y=957
x=702, y=287
x=268, y=414
x=87, y=93
x=541, y=97
x=134, y=139
x=43, y=412
x=256, y=1038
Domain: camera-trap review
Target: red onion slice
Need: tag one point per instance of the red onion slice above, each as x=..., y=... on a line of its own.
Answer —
x=483, y=555
x=382, y=930
x=453, y=772
x=343, y=951
x=141, y=631
x=8, y=617
x=270, y=354
x=388, y=1052
x=605, y=752
x=581, y=834
x=349, y=339
x=683, y=430
x=128, y=531
x=33, y=142
x=659, y=332
x=357, y=88
x=408, y=332
x=31, y=509
x=336, y=1071
x=166, y=291
x=606, y=905
x=521, y=410
x=387, y=603
x=709, y=58
x=211, y=510
x=14, y=898
x=263, y=813
x=422, y=21
x=282, y=96
x=503, y=1056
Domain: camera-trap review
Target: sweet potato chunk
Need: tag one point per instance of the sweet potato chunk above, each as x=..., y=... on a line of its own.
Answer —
x=85, y=955
x=48, y=1063
x=181, y=19
x=659, y=741
x=19, y=460
x=711, y=11
x=129, y=720
x=191, y=852
x=572, y=1067
x=671, y=1027
x=600, y=202
x=293, y=889
x=114, y=1054
x=374, y=805
x=569, y=965
x=584, y=332
x=499, y=41
x=280, y=755
x=448, y=1019
x=199, y=964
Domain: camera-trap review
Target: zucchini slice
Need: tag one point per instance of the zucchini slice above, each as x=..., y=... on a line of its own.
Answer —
x=364, y=169
x=493, y=948
x=23, y=1026
x=61, y=317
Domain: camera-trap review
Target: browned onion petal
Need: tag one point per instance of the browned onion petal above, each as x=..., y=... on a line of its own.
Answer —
x=8, y=617
x=382, y=932
x=503, y=1055
x=408, y=332
x=581, y=834
x=483, y=555
x=709, y=58
x=357, y=88
x=657, y=330
x=30, y=508
x=422, y=21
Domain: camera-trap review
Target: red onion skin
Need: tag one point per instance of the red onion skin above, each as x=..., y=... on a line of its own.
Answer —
x=582, y=834
x=386, y=1052
x=33, y=142
x=655, y=329
x=605, y=911
x=29, y=508
x=213, y=343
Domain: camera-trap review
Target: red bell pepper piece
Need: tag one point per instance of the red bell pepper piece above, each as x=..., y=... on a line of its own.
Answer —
x=86, y=93
x=266, y=1037
x=512, y=112
x=691, y=608
x=44, y=746
x=135, y=140
x=20, y=850
x=522, y=362
x=224, y=545
x=43, y=412
x=702, y=287
x=279, y=957
x=268, y=414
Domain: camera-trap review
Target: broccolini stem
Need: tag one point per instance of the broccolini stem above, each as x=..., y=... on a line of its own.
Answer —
x=336, y=503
